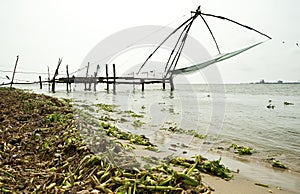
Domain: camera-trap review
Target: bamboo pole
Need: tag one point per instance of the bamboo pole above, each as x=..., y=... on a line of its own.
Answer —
x=90, y=82
x=13, y=76
x=107, y=84
x=143, y=84
x=86, y=75
x=48, y=79
x=40, y=80
x=68, y=78
x=55, y=74
x=171, y=83
x=114, y=79
x=95, y=74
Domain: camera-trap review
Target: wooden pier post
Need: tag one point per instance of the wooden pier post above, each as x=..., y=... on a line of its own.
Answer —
x=171, y=83
x=114, y=80
x=133, y=85
x=48, y=79
x=90, y=83
x=13, y=76
x=86, y=75
x=68, y=79
x=40, y=79
x=143, y=84
x=95, y=75
x=107, y=84
x=55, y=74
x=164, y=84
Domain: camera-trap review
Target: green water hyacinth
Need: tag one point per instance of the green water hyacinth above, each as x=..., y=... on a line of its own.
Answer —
x=241, y=150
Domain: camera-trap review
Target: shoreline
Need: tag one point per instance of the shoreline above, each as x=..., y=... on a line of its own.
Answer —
x=251, y=173
x=240, y=183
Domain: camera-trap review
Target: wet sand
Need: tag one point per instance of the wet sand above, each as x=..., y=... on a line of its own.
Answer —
x=240, y=184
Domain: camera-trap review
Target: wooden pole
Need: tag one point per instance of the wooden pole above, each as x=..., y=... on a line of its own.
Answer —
x=40, y=78
x=133, y=85
x=86, y=75
x=95, y=74
x=107, y=84
x=68, y=79
x=171, y=83
x=55, y=74
x=90, y=82
x=48, y=79
x=164, y=84
x=95, y=81
x=143, y=84
x=13, y=76
x=114, y=74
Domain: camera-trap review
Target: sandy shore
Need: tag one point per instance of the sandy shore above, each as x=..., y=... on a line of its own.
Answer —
x=240, y=184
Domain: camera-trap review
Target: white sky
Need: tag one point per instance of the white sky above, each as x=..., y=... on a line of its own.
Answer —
x=42, y=31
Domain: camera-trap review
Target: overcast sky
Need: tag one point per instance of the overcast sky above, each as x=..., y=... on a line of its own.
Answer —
x=42, y=31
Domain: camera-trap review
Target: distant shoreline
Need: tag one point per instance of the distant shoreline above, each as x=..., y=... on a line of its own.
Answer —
x=276, y=83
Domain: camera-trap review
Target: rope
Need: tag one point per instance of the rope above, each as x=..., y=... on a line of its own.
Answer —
x=184, y=23
x=248, y=27
x=210, y=33
x=23, y=72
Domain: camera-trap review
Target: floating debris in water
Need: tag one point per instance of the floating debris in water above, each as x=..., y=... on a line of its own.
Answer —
x=288, y=103
x=262, y=185
x=270, y=106
x=278, y=164
x=241, y=150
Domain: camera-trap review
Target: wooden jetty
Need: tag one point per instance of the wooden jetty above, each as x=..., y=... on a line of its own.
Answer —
x=113, y=80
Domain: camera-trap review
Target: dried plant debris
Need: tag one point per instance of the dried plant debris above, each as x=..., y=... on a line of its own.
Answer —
x=262, y=185
x=42, y=151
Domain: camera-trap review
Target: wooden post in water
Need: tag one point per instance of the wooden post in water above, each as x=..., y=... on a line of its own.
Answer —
x=171, y=83
x=143, y=84
x=86, y=75
x=55, y=74
x=90, y=83
x=40, y=79
x=95, y=75
x=107, y=84
x=114, y=74
x=13, y=76
x=164, y=84
x=48, y=79
x=68, y=79
x=133, y=85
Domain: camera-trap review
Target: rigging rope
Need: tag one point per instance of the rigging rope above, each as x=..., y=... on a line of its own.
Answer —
x=248, y=27
x=192, y=18
x=184, y=23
